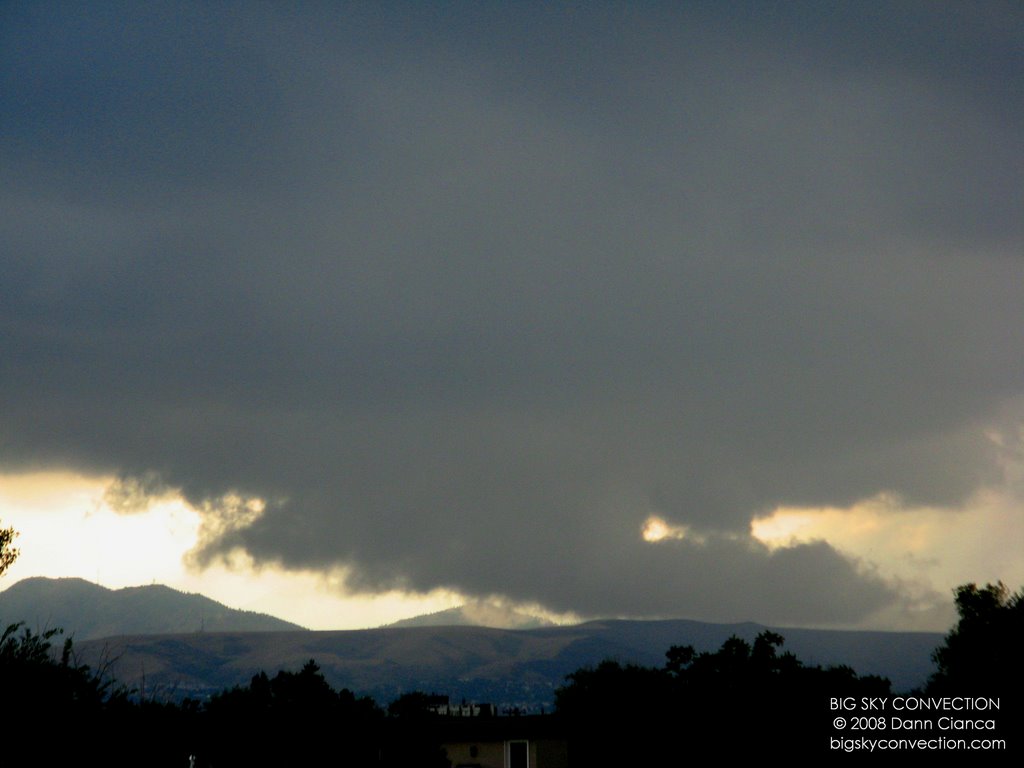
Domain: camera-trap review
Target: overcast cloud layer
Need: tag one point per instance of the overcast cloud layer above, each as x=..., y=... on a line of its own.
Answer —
x=468, y=292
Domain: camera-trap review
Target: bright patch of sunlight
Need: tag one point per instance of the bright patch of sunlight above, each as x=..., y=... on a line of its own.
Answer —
x=68, y=527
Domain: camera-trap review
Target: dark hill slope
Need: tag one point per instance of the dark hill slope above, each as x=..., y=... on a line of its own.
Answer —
x=85, y=610
x=507, y=667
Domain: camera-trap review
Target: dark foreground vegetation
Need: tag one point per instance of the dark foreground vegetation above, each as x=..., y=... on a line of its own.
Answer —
x=744, y=699
x=741, y=699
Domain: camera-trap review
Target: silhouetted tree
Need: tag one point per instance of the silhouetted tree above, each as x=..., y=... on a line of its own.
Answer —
x=38, y=686
x=8, y=554
x=618, y=714
x=290, y=719
x=983, y=653
x=740, y=697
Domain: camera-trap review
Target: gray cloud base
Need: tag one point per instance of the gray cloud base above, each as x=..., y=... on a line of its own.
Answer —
x=466, y=294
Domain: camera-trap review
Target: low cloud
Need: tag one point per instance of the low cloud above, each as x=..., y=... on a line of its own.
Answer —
x=130, y=495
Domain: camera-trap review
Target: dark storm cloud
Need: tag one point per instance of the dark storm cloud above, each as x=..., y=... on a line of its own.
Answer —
x=466, y=293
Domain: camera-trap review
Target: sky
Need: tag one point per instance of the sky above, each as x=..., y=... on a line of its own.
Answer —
x=352, y=311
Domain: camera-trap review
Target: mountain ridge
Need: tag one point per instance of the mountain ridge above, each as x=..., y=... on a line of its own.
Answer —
x=162, y=642
x=86, y=611
x=510, y=668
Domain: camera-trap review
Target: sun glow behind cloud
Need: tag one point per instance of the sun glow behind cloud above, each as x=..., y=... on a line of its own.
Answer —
x=655, y=529
x=67, y=528
x=923, y=551
x=980, y=542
